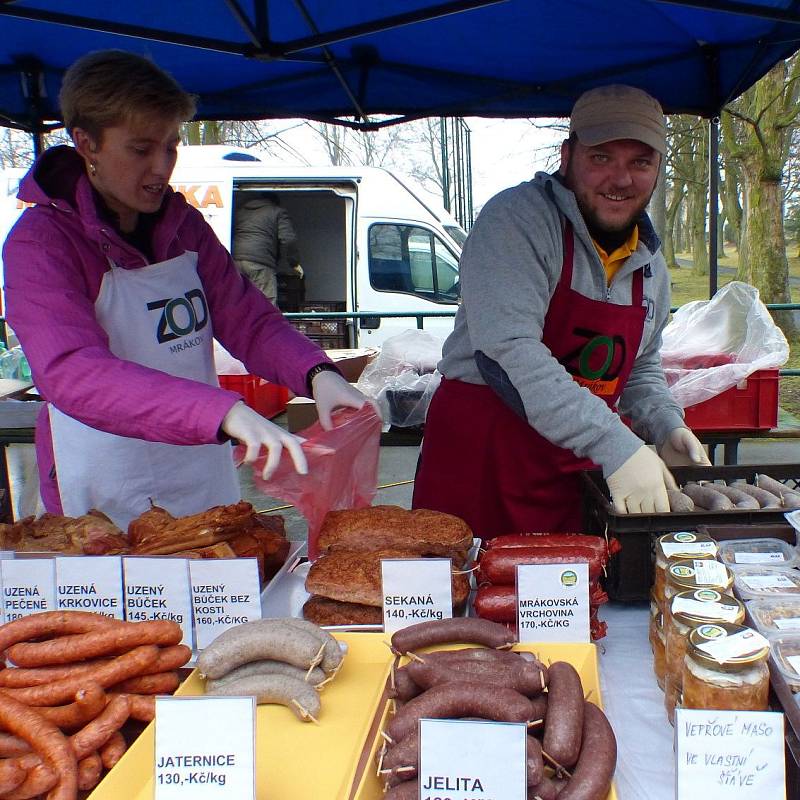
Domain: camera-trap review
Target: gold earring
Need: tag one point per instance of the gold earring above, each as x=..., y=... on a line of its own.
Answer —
x=93, y=168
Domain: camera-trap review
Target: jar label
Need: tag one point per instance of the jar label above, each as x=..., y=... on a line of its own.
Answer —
x=737, y=645
x=794, y=663
x=707, y=610
x=689, y=548
x=710, y=573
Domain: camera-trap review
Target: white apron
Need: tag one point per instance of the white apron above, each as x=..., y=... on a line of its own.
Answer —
x=156, y=316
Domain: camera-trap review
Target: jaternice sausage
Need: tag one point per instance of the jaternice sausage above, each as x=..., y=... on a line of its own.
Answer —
x=591, y=778
x=740, y=499
x=789, y=498
x=499, y=565
x=562, y=730
x=457, y=629
x=765, y=499
x=460, y=699
x=706, y=497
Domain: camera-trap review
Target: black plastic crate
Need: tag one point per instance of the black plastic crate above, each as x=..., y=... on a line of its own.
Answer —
x=630, y=572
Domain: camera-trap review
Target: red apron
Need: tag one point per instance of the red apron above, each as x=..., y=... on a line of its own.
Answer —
x=485, y=464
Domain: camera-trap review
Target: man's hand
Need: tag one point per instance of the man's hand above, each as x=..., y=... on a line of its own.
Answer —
x=252, y=430
x=640, y=485
x=299, y=271
x=683, y=448
x=330, y=391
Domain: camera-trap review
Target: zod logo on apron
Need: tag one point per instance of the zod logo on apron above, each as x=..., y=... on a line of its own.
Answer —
x=597, y=362
x=180, y=316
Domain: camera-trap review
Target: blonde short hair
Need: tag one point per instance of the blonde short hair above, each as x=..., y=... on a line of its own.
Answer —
x=110, y=87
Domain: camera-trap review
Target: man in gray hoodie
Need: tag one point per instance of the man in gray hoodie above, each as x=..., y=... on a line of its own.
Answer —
x=565, y=293
x=264, y=239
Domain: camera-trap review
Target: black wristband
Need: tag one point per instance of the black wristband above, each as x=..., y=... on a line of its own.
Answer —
x=325, y=366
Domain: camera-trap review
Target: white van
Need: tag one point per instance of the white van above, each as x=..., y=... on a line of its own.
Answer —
x=367, y=241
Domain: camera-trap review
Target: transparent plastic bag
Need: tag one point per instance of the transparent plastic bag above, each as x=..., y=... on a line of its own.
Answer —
x=342, y=469
x=712, y=345
x=403, y=377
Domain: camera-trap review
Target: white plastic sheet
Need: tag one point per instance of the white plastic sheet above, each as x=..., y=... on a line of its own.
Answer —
x=711, y=345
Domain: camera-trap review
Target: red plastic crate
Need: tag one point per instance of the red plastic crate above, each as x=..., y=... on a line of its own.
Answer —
x=752, y=407
x=269, y=399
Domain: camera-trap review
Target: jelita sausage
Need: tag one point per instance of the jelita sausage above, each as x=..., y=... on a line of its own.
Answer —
x=707, y=498
x=591, y=778
x=460, y=699
x=562, y=731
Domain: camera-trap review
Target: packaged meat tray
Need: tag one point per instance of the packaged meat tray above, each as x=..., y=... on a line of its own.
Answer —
x=748, y=552
x=785, y=652
x=775, y=616
x=758, y=582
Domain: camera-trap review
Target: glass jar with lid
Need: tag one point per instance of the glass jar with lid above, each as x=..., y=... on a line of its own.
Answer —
x=726, y=668
x=659, y=651
x=687, y=611
x=683, y=544
x=689, y=574
x=653, y=626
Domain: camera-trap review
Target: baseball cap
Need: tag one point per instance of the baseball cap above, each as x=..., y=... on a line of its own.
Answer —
x=618, y=112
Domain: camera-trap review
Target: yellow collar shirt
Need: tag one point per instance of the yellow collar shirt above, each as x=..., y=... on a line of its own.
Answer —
x=613, y=261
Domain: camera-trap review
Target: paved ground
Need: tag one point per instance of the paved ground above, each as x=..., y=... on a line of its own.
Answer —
x=398, y=463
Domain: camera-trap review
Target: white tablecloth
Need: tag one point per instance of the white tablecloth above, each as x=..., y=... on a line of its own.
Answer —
x=635, y=706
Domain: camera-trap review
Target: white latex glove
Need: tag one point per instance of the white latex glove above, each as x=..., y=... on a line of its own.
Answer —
x=682, y=448
x=253, y=431
x=299, y=271
x=330, y=391
x=640, y=485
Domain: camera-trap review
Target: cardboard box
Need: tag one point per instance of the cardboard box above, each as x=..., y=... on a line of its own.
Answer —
x=300, y=413
x=351, y=363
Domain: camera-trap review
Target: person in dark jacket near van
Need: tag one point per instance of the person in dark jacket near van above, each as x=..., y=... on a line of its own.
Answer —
x=264, y=239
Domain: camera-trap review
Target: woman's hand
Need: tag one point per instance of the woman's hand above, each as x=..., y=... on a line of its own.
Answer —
x=254, y=431
x=330, y=391
x=683, y=448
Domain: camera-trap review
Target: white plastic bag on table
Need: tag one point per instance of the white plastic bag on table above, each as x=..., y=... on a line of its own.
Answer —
x=225, y=363
x=403, y=377
x=711, y=345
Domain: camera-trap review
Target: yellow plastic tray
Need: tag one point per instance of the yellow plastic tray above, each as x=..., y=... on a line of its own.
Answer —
x=582, y=656
x=294, y=760
x=302, y=761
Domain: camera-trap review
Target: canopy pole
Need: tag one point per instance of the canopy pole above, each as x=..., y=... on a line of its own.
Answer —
x=713, y=203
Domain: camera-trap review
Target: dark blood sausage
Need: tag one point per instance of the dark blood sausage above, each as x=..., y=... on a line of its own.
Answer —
x=460, y=699
x=562, y=732
x=527, y=677
x=475, y=654
x=499, y=565
x=788, y=497
x=406, y=754
x=765, y=499
x=408, y=790
x=739, y=498
x=591, y=778
x=544, y=790
x=401, y=685
x=706, y=498
x=456, y=629
x=539, y=707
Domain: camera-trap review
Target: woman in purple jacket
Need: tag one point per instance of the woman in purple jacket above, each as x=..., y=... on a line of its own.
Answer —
x=116, y=287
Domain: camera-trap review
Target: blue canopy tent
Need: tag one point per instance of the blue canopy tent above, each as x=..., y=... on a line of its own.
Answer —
x=350, y=60
x=404, y=58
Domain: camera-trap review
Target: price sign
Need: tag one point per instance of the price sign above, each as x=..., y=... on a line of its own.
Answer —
x=90, y=583
x=225, y=593
x=29, y=586
x=158, y=588
x=729, y=755
x=416, y=590
x=192, y=760
x=465, y=760
x=553, y=602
